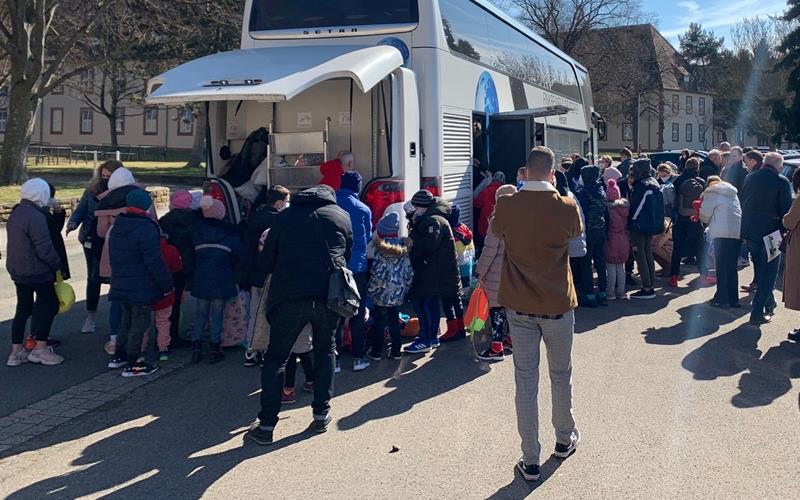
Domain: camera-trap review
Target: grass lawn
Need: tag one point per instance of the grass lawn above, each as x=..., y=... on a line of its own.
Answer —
x=174, y=170
x=9, y=195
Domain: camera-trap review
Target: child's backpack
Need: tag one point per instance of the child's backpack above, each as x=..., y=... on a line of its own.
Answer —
x=648, y=217
x=691, y=191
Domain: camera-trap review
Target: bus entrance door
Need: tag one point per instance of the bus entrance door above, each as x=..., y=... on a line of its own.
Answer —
x=511, y=138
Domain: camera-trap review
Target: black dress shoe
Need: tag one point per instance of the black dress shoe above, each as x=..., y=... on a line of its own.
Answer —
x=760, y=320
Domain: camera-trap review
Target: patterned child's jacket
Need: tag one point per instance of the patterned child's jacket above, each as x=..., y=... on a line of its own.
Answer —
x=390, y=272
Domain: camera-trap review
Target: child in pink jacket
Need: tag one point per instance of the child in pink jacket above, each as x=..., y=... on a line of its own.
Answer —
x=618, y=244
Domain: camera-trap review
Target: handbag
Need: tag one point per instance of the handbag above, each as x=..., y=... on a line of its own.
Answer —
x=343, y=296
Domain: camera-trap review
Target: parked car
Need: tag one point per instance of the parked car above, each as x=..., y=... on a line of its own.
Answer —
x=790, y=165
x=673, y=156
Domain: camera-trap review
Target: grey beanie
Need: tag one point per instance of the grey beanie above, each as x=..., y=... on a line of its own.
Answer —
x=422, y=198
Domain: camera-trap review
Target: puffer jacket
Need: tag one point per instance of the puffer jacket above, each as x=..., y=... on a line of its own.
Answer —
x=390, y=273
x=83, y=216
x=302, y=243
x=216, y=247
x=593, y=203
x=31, y=256
x=721, y=211
x=433, y=255
x=618, y=244
x=490, y=266
x=111, y=204
x=765, y=198
x=139, y=275
x=361, y=221
x=179, y=225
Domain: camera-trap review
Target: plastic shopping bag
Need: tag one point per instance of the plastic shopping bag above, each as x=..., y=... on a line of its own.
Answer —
x=477, y=311
x=65, y=294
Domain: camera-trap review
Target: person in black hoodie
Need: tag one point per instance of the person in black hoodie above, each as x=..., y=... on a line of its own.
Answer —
x=712, y=165
x=625, y=158
x=305, y=242
x=592, y=198
x=646, y=219
x=139, y=279
x=252, y=275
x=178, y=225
x=216, y=246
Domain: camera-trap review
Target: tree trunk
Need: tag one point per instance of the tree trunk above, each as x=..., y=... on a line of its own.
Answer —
x=199, y=138
x=112, y=127
x=21, y=120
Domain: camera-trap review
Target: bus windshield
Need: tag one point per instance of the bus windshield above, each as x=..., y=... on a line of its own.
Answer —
x=270, y=15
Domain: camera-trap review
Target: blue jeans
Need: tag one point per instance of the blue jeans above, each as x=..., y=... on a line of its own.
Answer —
x=765, y=273
x=429, y=312
x=214, y=307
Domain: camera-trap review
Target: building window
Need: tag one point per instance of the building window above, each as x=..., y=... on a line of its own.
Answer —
x=701, y=133
x=56, y=121
x=676, y=104
x=87, y=121
x=689, y=132
x=185, y=122
x=676, y=132
x=688, y=105
x=627, y=131
x=120, y=121
x=701, y=106
x=151, y=121
x=3, y=120
x=87, y=80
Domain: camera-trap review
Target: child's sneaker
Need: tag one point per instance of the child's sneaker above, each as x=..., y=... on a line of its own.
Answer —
x=45, y=356
x=89, y=326
x=435, y=343
x=396, y=354
x=251, y=358
x=360, y=364
x=139, y=370
x=419, y=347
x=163, y=356
x=374, y=357
x=508, y=346
x=288, y=398
x=308, y=387
x=117, y=362
x=602, y=300
x=338, y=367
x=17, y=358
x=493, y=353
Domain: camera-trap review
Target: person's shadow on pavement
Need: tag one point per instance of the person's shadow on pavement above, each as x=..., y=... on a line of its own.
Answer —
x=769, y=377
x=696, y=320
x=725, y=355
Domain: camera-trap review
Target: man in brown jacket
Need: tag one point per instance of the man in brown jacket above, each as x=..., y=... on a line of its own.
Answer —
x=537, y=291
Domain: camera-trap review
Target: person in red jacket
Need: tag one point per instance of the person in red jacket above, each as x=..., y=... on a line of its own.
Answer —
x=485, y=202
x=332, y=172
x=162, y=310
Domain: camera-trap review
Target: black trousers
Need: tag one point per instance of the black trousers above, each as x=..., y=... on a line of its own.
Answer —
x=291, y=369
x=688, y=242
x=179, y=282
x=92, y=281
x=287, y=320
x=726, y=251
x=39, y=301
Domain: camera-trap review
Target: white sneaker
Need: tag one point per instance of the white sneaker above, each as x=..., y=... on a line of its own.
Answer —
x=45, y=356
x=17, y=358
x=89, y=325
x=360, y=364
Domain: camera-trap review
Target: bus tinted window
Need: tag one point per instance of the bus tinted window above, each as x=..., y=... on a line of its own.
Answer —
x=477, y=34
x=269, y=15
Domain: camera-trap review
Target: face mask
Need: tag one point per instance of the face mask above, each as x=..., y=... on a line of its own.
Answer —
x=102, y=186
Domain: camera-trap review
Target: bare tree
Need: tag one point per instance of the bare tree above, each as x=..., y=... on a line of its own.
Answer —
x=39, y=37
x=565, y=22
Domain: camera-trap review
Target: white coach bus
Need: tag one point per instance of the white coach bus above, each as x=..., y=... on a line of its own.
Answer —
x=400, y=83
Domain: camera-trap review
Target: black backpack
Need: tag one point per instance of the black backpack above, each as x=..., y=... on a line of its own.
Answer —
x=691, y=191
x=242, y=165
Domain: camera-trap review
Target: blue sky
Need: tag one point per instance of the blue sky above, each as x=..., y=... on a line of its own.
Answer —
x=718, y=15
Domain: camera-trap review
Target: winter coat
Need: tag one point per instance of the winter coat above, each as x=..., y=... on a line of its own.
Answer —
x=179, y=225
x=577, y=246
x=111, y=204
x=172, y=259
x=766, y=198
x=83, y=216
x=490, y=266
x=433, y=255
x=625, y=168
x=647, y=207
x=791, y=287
x=139, y=275
x=361, y=221
x=707, y=169
x=485, y=202
x=593, y=203
x=332, y=173
x=55, y=224
x=618, y=244
x=216, y=248
x=721, y=211
x=31, y=256
x=302, y=243
x=248, y=269
x=390, y=273
x=735, y=175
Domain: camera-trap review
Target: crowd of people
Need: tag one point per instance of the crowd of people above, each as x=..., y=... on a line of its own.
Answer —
x=561, y=237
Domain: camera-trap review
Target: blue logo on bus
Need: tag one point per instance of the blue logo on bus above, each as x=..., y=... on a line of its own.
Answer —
x=486, y=95
x=399, y=45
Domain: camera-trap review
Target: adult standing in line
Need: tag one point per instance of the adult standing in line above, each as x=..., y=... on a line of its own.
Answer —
x=736, y=172
x=646, y=219
x=766, y=198
x=791, y=221
x=625, y=158
x=32, y=262
x=722, y=213
x=537, y=291
x=307, y=239
x=83, y=218
x=361, y=221
x=712, y=165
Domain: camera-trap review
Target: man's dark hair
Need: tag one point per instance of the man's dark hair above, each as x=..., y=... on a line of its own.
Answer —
x=276, y=194
x=754, y=155
x=692, y=165
x=541, y=160
x=626, y=152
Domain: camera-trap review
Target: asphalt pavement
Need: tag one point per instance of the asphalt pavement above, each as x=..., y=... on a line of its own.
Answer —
x=674, y=399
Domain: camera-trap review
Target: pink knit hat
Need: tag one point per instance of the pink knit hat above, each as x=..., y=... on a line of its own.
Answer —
x=611, y=173
x=212, y=209
x=613, y=190
x=181, y=199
